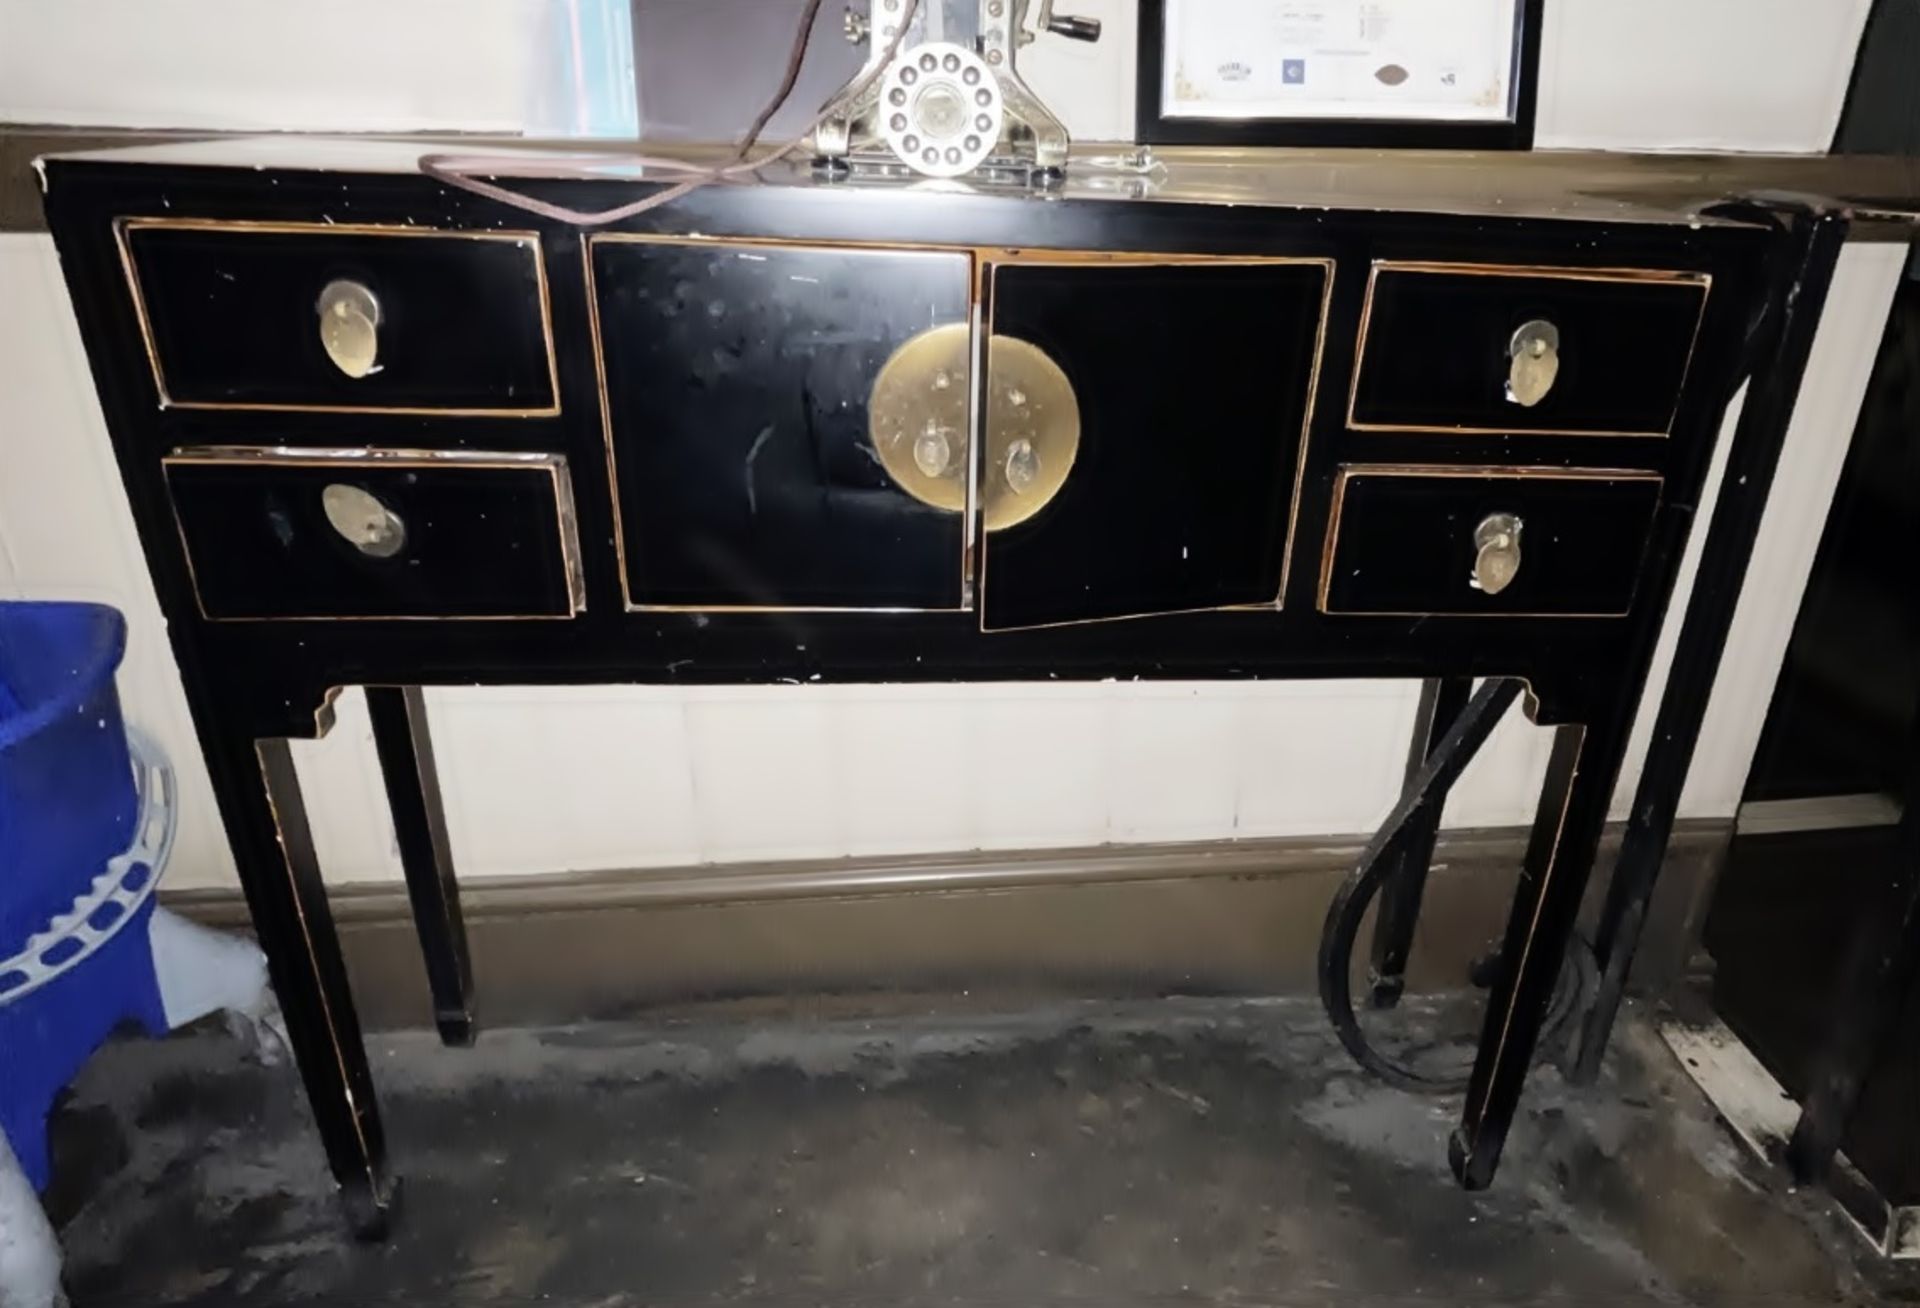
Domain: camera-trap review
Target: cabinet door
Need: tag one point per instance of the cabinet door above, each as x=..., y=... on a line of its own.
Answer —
x=1193, y=384
x=738, y=380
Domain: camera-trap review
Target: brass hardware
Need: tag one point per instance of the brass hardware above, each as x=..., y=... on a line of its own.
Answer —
x=917, y=415
x=363, y=521
x=917, y=420
x=1496, y=560
x=1033, y=431
x=350, y=327
x=1534, y=362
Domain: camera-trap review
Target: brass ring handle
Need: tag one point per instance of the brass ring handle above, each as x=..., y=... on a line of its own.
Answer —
x=1533, y=362
x=350, y=327
x=917, y=418
x=363, y=521
x=1496, y=559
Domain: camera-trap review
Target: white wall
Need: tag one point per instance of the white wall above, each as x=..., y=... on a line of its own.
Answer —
x=625, y=777
x=273, y=65
x=1615, y=74
x=1748, y=75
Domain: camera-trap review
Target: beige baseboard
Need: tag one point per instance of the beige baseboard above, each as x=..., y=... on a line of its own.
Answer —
x=1232, y=917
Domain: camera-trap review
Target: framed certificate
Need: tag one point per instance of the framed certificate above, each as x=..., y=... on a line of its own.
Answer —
x=1453, y=74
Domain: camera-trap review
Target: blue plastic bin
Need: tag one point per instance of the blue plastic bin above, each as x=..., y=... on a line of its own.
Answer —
x=67, y=796
x=68, y=807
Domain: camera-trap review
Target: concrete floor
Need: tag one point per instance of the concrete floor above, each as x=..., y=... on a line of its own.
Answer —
x=917, y=1152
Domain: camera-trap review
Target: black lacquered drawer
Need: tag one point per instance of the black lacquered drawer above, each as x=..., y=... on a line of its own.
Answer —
x=1437, y=345
x=355, y=534
x=241, y=315
x=1409, y=541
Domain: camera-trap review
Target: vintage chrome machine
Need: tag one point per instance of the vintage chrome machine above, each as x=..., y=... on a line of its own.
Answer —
x=944, y=99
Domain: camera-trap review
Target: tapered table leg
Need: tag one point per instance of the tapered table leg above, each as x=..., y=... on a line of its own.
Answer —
x=1566, y=835
x=1398, y=908
x=266, y=820
x=399, y=715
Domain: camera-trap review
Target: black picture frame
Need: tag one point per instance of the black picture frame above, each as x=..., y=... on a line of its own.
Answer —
x=1153, y=127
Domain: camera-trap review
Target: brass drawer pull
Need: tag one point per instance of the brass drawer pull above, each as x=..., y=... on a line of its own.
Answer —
x=1533, y=362
x=363, y=521
x=1496, y=560
x=350, y=327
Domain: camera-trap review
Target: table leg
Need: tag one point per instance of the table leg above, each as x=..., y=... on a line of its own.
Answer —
x=1566, y=835
x=266, y=820
x=399, y=716
x=1398, y=909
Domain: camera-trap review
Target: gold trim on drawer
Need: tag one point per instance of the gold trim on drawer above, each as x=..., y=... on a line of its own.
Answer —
x=554, y=465
x=1666, y=276
x=123, y=226
x=1463, y=472
x=1074, y=258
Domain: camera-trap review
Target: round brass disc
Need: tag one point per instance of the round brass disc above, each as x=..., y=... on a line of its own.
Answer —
x=1033, y=431
x=917, y=418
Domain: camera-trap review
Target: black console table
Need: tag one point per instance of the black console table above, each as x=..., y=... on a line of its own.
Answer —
x=380, y=432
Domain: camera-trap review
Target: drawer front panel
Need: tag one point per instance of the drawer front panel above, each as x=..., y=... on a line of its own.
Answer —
x=452, y=322
x=1194, y=384
x=1437, y=343
x=473, y=536
x=1404, y=541
x=737, y=381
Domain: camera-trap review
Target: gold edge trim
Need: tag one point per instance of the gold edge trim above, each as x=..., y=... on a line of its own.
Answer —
x=606, y=415
x=587, y=242
x=1261, y=608
x=126, y=224
x=569, y=529
x=1328, y=268
x=313, y=958
x=782, y=608
x=1539, y=903
x=1693, y=347
x=554, y=465
x=373, y=455
x=1503, y=470
x=363, y=410
x=1560, y=272
x=291, y=227
x=1360, y=340
x=395, y=617
x=1674, y=277
x=1306, y=432
x=973, y=528
x=1467, y=472
x=139, y=299
x=977, y=457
